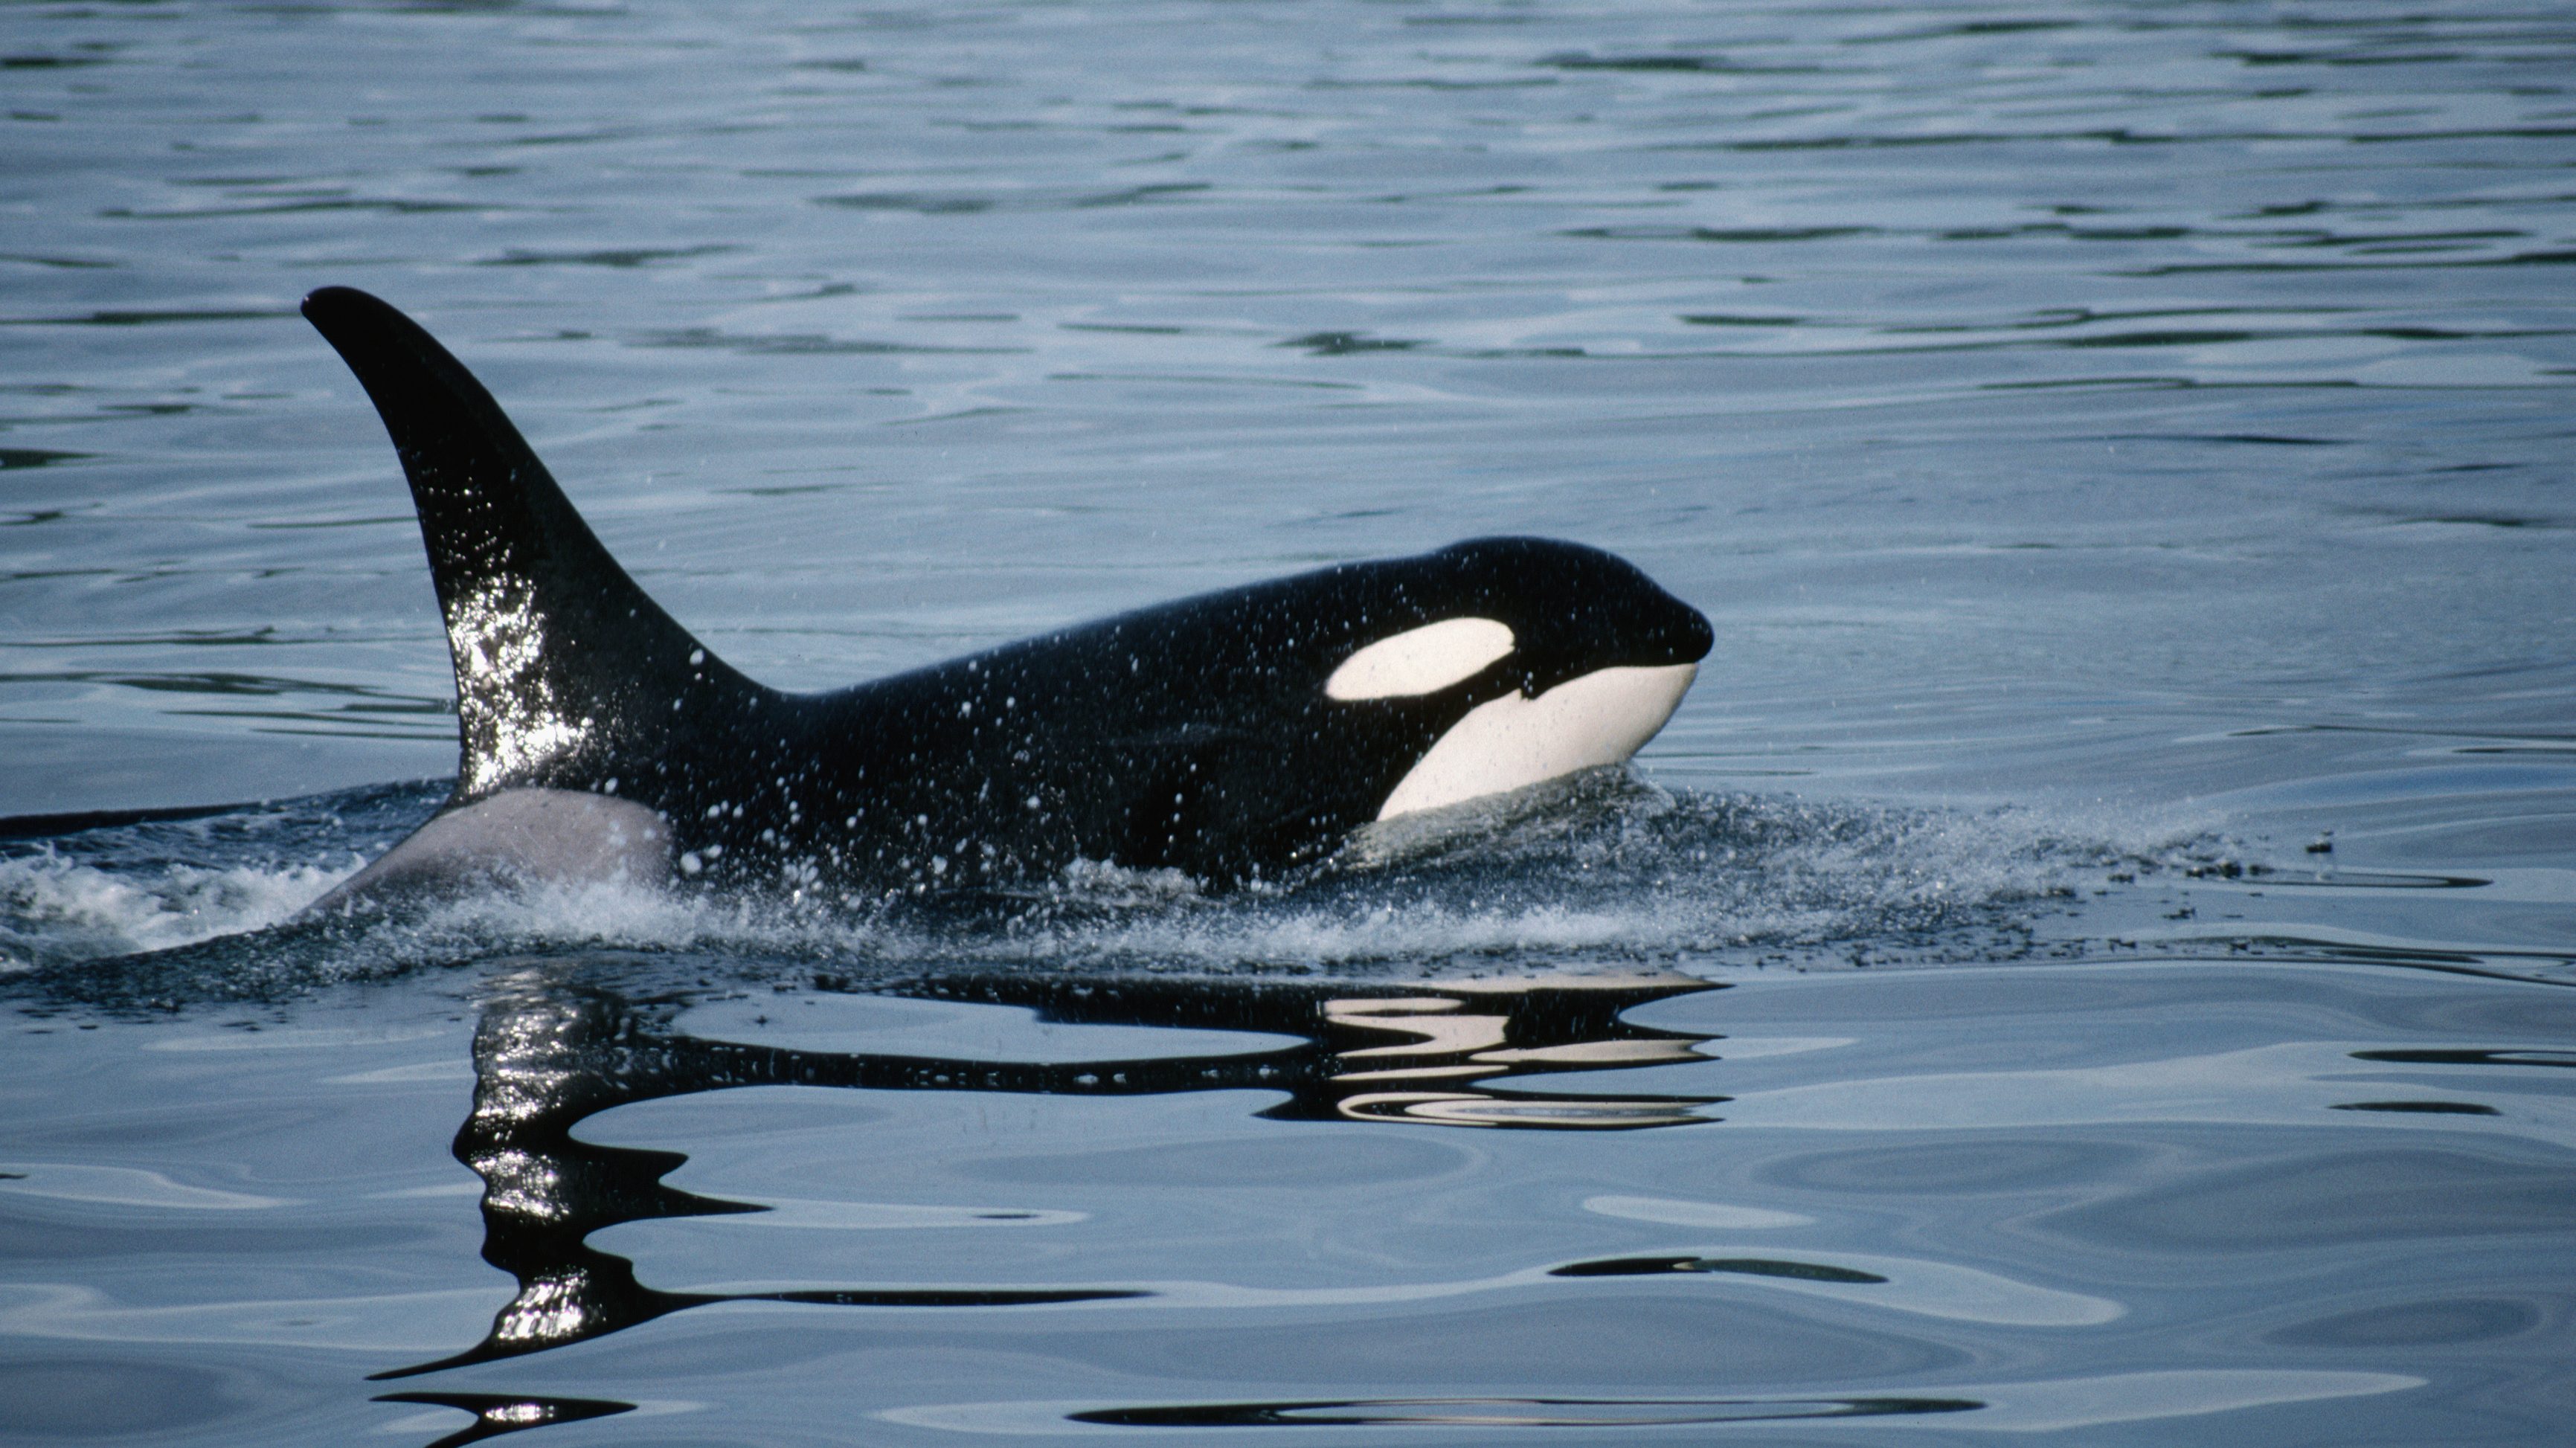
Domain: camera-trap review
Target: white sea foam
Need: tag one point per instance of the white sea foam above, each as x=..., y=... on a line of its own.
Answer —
x=55, y=907
x=1603, y=871
x=1622, y=874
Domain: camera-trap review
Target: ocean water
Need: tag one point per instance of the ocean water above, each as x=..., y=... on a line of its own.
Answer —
x=2088, y=963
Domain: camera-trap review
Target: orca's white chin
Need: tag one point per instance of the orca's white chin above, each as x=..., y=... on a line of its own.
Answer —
x=1511, y=742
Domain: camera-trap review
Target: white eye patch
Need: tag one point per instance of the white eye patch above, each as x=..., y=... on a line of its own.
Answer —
x=1420, y=661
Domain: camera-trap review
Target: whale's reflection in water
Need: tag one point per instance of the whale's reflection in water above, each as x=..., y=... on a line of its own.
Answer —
x=553, y=1053
x=1521, y=1412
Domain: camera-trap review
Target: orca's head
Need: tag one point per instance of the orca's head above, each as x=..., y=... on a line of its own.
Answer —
x=1551, y=657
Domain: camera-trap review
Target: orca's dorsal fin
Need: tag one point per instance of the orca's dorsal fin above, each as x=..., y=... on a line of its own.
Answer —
x=567, y=675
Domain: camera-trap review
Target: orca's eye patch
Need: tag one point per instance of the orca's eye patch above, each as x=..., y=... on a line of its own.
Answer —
x=1421, y=660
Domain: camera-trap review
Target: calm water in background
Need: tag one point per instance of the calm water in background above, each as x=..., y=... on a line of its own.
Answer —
x=2118, y=445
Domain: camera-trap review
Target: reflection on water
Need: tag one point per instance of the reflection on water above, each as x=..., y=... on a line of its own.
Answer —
x=2036, y=1197
x=1519, y=1412
x=1457, y=1053
x=498, y=1413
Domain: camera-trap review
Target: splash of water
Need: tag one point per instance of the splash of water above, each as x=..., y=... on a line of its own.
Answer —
x=56, y=908
x=1599, y=872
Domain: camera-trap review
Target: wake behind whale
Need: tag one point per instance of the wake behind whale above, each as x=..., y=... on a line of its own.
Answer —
x=1229, y=736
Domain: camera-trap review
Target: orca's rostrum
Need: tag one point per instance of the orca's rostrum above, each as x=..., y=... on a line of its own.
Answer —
x=1231, y=735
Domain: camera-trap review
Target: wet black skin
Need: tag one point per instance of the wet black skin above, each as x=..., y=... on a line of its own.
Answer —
x=1194, y=734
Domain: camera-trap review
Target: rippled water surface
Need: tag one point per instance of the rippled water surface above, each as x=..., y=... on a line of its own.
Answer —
x=2087, y=961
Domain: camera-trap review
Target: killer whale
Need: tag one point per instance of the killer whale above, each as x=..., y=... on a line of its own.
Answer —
x=1233, y=735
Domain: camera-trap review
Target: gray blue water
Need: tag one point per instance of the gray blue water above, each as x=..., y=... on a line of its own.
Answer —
x=2089, y=963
